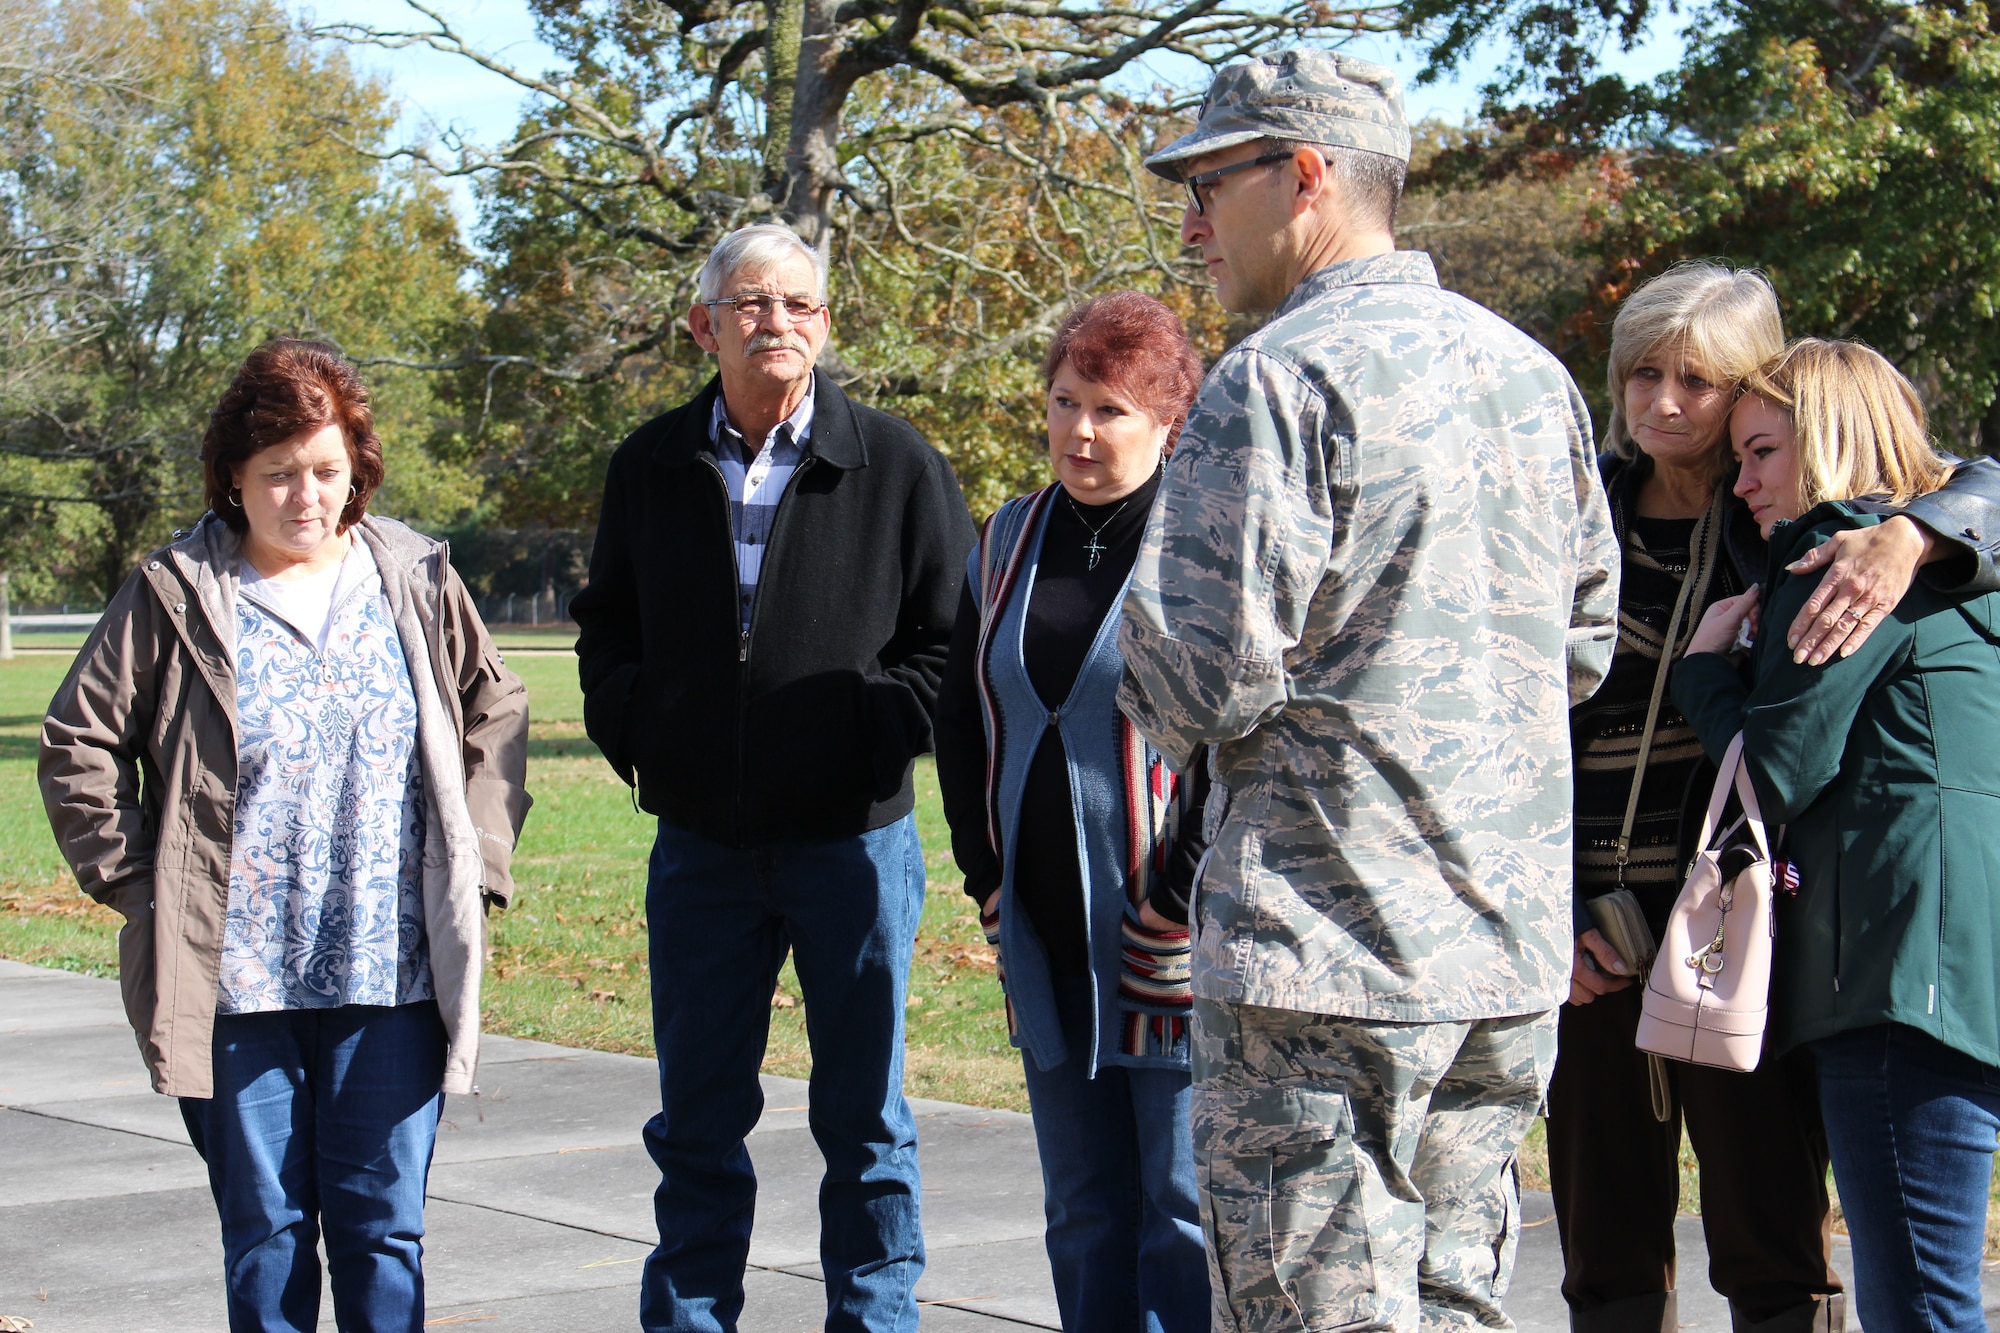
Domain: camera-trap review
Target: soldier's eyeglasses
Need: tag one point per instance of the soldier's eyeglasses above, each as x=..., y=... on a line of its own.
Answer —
x=1207, y=179
x=755, y=306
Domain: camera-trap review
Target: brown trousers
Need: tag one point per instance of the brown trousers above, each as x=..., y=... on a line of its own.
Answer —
x=1613, y=1167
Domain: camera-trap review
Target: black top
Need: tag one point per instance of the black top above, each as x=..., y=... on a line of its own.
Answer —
x=1066, y=608
x=1607, y=729
x=806, y=724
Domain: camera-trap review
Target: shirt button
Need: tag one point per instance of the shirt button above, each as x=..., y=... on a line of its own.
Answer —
x=153, y=565
x=180, y=608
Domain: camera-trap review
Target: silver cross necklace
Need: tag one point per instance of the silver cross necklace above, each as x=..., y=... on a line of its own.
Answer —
x=1094, y=548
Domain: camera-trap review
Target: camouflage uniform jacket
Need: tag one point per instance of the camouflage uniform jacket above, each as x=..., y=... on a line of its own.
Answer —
x=1379, y=572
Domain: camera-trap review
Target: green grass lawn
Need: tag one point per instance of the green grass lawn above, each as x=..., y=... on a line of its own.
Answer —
x=568, y=962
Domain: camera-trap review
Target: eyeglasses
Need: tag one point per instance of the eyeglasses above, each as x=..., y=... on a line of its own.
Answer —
x=755, y=306
x=1196, y=184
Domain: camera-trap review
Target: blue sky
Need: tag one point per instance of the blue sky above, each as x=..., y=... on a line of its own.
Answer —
x=438, y=91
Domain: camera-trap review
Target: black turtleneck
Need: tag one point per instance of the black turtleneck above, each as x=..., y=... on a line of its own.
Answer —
x=1066, y=608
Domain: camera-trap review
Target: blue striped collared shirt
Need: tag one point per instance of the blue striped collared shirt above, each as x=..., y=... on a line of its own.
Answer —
x=756, y=483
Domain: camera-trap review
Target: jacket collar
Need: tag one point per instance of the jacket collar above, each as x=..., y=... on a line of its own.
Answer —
x=206, y=557
x=209, y=551
x=1413, y=267
x=396, y=546
x=1741, y=541
x=835, y=437
x=1792, y=538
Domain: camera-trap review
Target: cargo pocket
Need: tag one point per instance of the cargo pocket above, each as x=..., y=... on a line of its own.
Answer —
x=1285, y=1207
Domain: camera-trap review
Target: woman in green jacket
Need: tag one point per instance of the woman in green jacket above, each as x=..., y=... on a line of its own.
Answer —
x=1885, y=765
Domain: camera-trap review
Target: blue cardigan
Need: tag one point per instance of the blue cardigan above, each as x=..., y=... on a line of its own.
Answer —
x=1123, y=792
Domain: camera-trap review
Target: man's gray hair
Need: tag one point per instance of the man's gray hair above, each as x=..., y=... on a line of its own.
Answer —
x=1371, y=184
x=759, y=246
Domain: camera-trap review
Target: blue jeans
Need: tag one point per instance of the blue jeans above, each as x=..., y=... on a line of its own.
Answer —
x=323, y=1121
x=1911, y=1123
x=720, y=920
x=1118, y=1185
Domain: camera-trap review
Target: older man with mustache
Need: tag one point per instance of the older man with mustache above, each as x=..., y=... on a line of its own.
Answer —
x=771, y=595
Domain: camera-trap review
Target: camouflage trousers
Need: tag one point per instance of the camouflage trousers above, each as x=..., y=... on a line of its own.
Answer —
x=1360, y=1175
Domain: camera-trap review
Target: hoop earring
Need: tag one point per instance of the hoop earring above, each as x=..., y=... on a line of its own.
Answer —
x=236, y=498
x=353, y=492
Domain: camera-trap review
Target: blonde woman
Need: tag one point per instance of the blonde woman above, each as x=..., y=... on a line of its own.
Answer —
x=1680, y=347
x=1883, y=766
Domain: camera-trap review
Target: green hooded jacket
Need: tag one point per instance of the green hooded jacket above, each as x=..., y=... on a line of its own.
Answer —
x=1886, y=767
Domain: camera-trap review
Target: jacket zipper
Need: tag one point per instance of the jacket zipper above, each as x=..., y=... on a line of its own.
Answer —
x=744, y=631
x=735, y=566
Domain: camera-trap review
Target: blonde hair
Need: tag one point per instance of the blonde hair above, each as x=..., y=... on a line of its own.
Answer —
x=1724, y=319
x=1858, y=424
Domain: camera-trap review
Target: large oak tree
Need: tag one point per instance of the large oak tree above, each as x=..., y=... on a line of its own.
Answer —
x=175, y=193
x=970, y=167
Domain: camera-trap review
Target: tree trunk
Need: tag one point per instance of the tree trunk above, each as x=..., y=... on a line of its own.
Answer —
x=812, y=162
x=785, y=22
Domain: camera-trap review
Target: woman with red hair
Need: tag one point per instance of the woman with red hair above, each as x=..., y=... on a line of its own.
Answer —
x=290, y=757
x=1076, y=841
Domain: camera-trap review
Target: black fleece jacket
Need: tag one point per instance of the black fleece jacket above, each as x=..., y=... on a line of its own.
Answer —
x=806, y=726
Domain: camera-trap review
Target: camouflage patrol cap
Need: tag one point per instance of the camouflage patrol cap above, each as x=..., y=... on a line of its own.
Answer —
x=1303, y=94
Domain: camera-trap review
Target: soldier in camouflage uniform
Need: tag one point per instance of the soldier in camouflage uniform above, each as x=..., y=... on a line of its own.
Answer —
x=1379, y=572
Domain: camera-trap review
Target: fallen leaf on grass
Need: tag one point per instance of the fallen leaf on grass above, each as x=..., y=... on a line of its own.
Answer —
x=972, y=955
x=780, y=1000
x=58, y=900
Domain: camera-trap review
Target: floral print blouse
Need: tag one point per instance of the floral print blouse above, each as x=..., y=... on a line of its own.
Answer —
x=326, y=862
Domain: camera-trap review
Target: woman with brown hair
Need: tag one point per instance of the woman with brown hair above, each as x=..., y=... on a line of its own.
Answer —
x=290, y=757
x=1681, y=346
x=1076, y=840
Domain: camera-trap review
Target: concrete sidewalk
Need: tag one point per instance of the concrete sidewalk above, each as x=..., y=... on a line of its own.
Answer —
x=541, y=1195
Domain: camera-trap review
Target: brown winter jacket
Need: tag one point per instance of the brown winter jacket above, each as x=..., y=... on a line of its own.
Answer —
x=138, y=771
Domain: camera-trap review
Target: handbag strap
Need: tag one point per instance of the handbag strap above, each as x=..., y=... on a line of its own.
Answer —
x=1753, y=814
x=1702, y=548
x=1735, y=773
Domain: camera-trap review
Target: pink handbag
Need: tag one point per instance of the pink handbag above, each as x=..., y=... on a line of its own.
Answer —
x=1710, y=989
